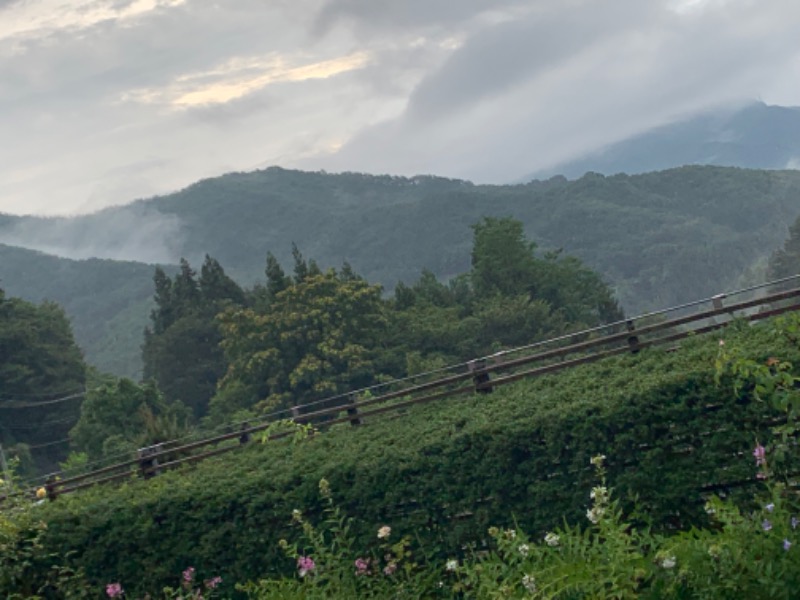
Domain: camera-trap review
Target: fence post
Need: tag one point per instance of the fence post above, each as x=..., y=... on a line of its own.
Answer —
x=352, y=410
x=50, y=487
x=244, y=437
x=147, y=464
x=479, y=376
x=633, y=339
x=716, y=301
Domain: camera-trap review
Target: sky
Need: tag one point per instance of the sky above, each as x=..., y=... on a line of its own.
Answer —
x=106, y=101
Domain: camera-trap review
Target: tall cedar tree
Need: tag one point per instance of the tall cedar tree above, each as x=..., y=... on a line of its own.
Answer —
x=181, y=350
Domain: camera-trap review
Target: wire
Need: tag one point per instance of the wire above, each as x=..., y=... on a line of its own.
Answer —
x=9, y=404
x=72, y=419
x=37, y=446
x=47, y=395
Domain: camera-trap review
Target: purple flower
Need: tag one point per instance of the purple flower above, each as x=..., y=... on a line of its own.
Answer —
x=305, y=564
x=362, y=566
x=188, y=575
x=794, y=522
x=787, y=544
x=114, y=590
x=766, y=525
x=770, y=507
x=213, y=582
x=761, y=455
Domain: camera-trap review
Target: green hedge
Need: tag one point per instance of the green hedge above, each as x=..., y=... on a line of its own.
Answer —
x=521, y=453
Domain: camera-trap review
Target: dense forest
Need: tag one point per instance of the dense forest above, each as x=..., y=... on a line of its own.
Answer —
x=657, y=239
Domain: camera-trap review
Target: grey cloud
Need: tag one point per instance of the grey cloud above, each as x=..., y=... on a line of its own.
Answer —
x=378, y=16
x=538, y=90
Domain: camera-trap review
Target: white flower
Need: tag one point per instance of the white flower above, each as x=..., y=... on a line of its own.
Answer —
x=528, y=583
x=551, y=539
x=384, y=532
x=599, y=492
x=524, y=549
x=710, y=510
x=511, y=534
x=451, y=565
x=597, y=461
x=668, y=562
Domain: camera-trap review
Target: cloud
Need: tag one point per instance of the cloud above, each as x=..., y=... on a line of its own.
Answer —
x=105, y=101
x=527, y=93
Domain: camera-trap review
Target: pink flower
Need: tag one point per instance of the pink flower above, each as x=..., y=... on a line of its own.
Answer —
x=114, y=590
x=213, y=582
x=362, y=566
x=390, y=568
x=305, y=564
x=761, y=454
x=188, y=575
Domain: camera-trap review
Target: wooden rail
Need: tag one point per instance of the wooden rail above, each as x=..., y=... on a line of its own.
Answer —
x=483, y=375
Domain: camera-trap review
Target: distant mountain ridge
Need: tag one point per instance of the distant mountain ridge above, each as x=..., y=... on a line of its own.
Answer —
x=659, y=238
x=757, y=136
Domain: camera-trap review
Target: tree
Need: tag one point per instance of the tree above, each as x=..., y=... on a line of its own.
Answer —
x=785, y=261
x=319, y=337
x=181, y=349
x=42, y=377
x=121, y=416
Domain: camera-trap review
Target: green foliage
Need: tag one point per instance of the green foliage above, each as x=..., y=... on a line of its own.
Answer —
x=39, y=365
x=785, y=261
x=318, y=337
x=122, y=416
x=28, y=570
x=667, y=427
x=658, y=239
x=181, y=349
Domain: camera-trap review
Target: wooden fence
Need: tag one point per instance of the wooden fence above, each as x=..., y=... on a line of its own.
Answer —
x=478, y=376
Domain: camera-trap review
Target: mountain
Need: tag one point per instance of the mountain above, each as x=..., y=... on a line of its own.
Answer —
x=756, y=136
x=659, y=238
x=108, y=301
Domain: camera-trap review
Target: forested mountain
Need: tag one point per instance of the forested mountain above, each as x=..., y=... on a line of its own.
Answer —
x=107, y=301
x=659, y=238
x=756, y=136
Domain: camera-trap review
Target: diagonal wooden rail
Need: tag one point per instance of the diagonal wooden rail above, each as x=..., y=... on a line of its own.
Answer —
x=479, y=376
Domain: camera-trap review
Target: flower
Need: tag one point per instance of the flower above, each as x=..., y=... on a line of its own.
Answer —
x=213, y=582
x=324, y=487
x=384, y=532
x=390, y=568
x=599, y=493
x=511, y=534
x=188, y=574
x=451, y=565
x=41, y=493
x=551, y=539
x=362, y=566
x=710, y=510
x=770, y=507
x=524, y=549
x=761, y=454
x=595, y=514
x=766, y=525
x=794, y=522
x=597, y=461
x=297, y=515
x=787, y=544
x=305, y=564
x=668, y=562
x=529, y=583
x=114, y=590
x=722, y=342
